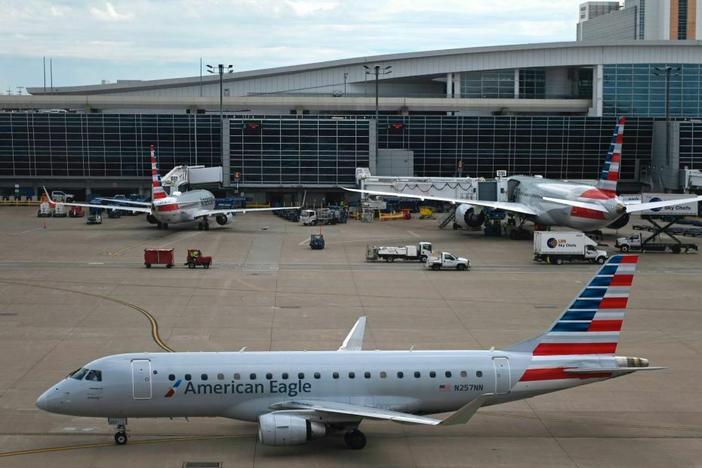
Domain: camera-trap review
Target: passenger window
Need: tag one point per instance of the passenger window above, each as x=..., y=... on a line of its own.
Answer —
x=252, y=376
x=479, y=373
x=317, y=375
x=417, y=375
x=383, y=374
x=301, y=375
x=285, y=376
x=432, y=374
x=464, y=374
x=188, y=377
x=237, y=376
x=366, y=375
x=352, y=375
x=79, y=374
x=203, y=377
x=171, y=377
x=94, y=376
x=448, y=374
x=220, y=376
x=335, y=375
x=400, y=375
x=269, y=376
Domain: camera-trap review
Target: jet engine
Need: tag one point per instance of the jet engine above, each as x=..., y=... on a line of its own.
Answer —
x=151, y=219
x=620, y=222
x=223, y=219
x=468, y=217
x=279, y=428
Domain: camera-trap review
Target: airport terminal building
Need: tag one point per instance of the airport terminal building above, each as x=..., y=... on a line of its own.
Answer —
x=528, y=109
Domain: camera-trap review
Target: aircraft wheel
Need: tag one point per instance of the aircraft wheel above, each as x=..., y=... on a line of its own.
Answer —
x=355, y=440
x=121, y=438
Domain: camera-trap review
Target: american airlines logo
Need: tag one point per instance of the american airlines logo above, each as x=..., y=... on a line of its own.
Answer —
x=171, y=391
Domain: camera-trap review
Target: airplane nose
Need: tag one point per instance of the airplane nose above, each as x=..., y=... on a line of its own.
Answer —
x=43, y=401
x=47, y=400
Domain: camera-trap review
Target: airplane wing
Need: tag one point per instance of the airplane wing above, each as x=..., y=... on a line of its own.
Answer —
x=506, y=206
x=461, y=416
x=636, y=207
x=201, y=213
x=137, y=209
x=115, y=200
x=577, y=204
x=354, y=340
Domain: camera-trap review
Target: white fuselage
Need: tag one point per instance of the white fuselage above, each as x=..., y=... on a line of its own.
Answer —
x=182, y=207
x=244, y=385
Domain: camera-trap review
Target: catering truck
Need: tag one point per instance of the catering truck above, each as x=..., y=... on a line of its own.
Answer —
x=419, y=252
x=556, y=247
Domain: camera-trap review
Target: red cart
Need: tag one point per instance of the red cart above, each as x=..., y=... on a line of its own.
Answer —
x=195, y=258
x=159, y=257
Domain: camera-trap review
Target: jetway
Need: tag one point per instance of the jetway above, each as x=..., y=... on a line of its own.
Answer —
x=192, y=175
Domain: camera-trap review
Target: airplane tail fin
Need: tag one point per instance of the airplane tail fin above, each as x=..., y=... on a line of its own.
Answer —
x=157, y=191
x=609, y=176
x=593, y=320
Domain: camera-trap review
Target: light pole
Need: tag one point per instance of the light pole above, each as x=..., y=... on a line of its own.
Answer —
x=377, y=71
x=346, y=77
x=220, y=69
x=668, y=71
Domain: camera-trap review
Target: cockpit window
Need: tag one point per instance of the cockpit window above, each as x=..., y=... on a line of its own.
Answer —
x=79, y=374
x=94, y=375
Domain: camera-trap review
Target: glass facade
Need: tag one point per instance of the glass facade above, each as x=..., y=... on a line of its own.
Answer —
x=532, y=83
x=488, y=84
x=635, y=90
x=558, y=147
x=104, y=145
x=298, y=151
x=690, y=145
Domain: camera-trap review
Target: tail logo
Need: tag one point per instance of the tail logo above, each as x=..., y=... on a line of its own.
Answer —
x=171, y=391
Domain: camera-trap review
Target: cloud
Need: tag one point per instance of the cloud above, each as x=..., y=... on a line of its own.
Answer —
x=109, y=13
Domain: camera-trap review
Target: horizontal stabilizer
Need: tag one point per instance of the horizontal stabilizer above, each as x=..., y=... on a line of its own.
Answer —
x=597, y=370
x=577, y=204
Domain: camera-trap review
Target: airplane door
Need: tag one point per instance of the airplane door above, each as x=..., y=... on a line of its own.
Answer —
x=503, y=382
x=141, y=379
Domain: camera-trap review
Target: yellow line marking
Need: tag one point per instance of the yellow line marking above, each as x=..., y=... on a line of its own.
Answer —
x=66, y=448
x=152, y=320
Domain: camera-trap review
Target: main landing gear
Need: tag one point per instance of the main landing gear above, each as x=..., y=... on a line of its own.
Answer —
x=121, y=434
x=355, y=440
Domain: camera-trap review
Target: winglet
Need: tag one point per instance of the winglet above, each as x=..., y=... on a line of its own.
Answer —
x=354, y=340
x=464, y=414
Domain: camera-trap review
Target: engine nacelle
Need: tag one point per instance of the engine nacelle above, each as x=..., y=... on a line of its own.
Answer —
x=151, y=219
x=223, y=219
x=620, y=222
x=280, y=428
x=468, y=217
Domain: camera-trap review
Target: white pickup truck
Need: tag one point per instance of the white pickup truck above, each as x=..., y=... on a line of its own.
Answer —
x=448, y=261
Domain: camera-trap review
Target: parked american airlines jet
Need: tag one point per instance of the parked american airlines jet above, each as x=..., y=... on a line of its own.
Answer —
x=298, y=396
x=187, y=207
x=551, y=202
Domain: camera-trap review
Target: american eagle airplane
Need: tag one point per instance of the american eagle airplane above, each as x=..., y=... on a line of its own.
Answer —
x=298, y=396
x=550, y=202
x=187, y=207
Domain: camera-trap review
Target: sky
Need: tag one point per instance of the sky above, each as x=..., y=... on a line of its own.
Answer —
x=94, y=40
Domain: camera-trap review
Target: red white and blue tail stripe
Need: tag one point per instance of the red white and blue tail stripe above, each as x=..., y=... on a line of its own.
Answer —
x=157, y=191
x=611, y=168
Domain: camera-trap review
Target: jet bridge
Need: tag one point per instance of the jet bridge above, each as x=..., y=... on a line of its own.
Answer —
x=192, y=175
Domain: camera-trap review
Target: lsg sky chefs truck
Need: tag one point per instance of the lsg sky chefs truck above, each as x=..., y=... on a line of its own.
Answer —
x=556, y=247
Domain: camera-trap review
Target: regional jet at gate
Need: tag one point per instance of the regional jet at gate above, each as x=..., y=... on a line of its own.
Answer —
x=187, y=207
x=298, y=396
x=551, y=202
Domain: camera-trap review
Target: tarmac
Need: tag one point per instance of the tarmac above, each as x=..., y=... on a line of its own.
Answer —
x=70, y=293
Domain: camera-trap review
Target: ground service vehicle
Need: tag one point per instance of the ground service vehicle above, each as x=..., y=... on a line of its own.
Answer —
x=636, y=243
x=447, y=261
x=95, y=218
x=319, y=216
x=44, y=210
x=419, y=252
x=159, y=257
x=557, y=247
x=195, y=258
x=76, y=212
x=317, y=241
x=60, y=211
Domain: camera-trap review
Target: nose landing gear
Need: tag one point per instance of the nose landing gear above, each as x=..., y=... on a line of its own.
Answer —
x=121, y=434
